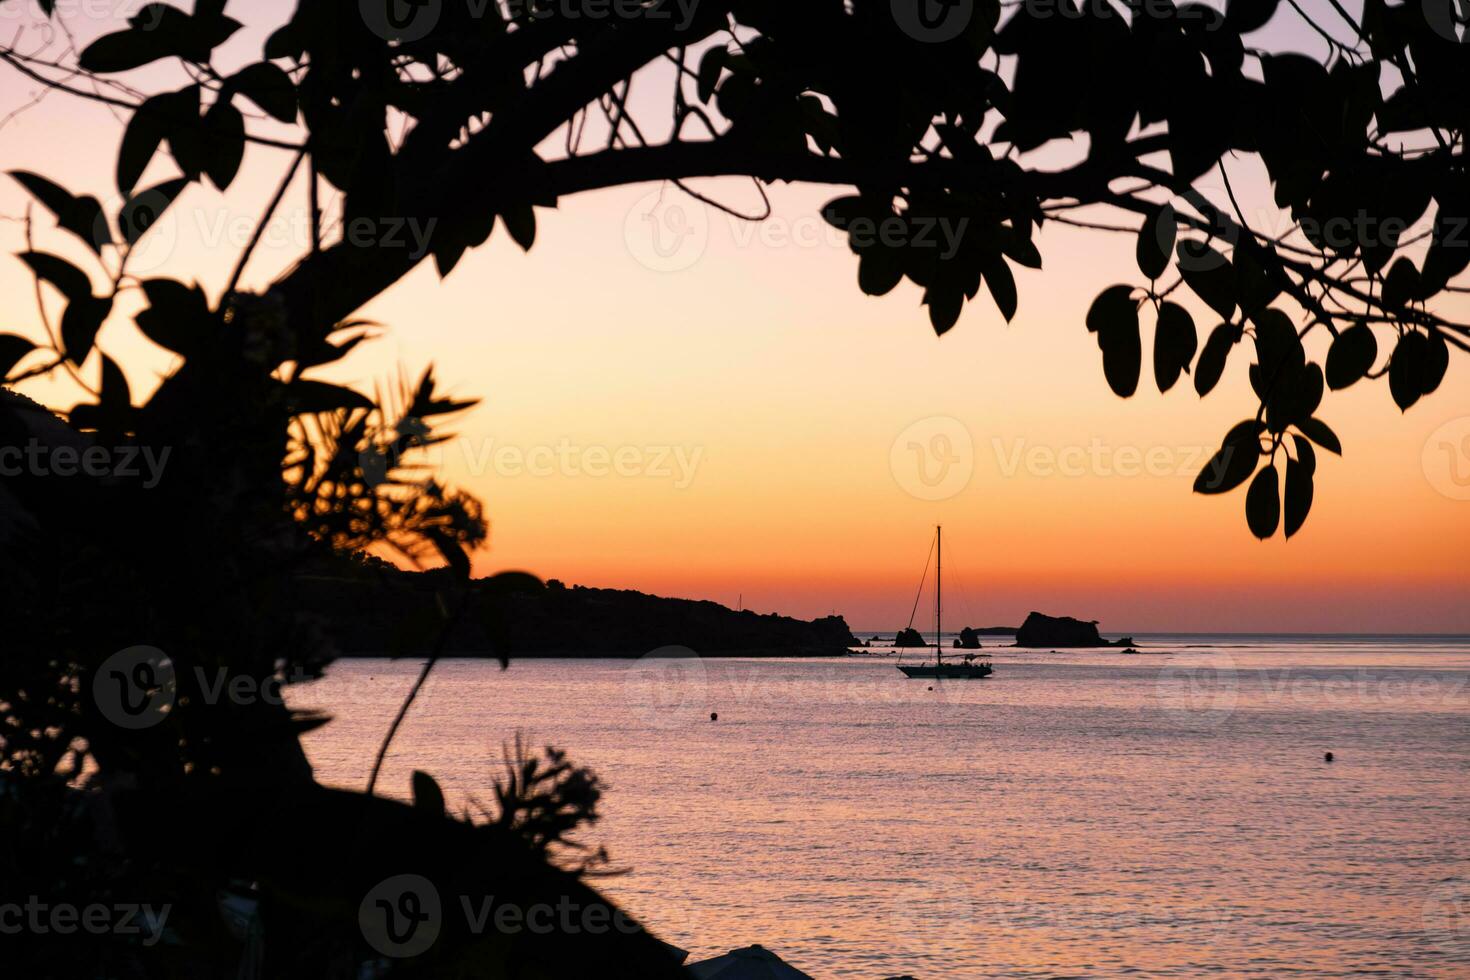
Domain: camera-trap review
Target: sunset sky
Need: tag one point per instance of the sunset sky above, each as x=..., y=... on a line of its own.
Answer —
x=752, y=397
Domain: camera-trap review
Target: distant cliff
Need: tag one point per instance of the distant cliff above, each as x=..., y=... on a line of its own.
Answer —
x=1062, y=631
x=394, y=613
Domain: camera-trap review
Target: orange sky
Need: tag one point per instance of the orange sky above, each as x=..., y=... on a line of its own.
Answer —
x=725, y=423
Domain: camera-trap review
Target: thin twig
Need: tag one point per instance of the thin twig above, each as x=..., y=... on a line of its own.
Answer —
x=418, y=685
x=265, y=220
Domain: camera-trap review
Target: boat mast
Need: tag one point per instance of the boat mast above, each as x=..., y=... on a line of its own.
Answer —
x=938, y=591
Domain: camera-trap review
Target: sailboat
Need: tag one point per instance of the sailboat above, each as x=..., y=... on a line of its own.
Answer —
x=967, y=668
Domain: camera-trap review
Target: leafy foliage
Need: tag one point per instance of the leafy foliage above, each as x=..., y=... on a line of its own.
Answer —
x=544, y=800
x=932, y=128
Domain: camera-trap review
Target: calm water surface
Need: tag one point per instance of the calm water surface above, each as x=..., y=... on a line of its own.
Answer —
x=1076, y=815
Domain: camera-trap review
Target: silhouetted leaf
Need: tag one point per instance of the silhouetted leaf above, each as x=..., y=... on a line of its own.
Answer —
x=1317, y=431
x=841, y=212
x=1296, y=399
x=1436, y=362
x=520, y=221
x=1212, y=359
x=82, y=216
x=141, y=140
x=123, y=51
x=12, y=349
x=1002, y=286
x=1401, y=285
x=711, y=66
x=1299, y=487
x=70, y=281
x=1235, y=460
x=1254, y=287
x=1175, y=342
x=226, y=143
x=1156, y=241
x=1263, y=503
x=880, y=269
x=268, y=87
x=1449, y=248
x=1244, y=16
x=286, y=42
x=1351, y=356
x=1113, y=309
x=1406, y=369
x=174, y=32
x=142, y=211
x=1019, y=249
x=944, y=308
x=188, y=138
x=448, y=251
x=1208, y=273
x=1279, y=354
x=177, y=318
x=1305, y=454
x=116, y=398
x=427, y=795
x=80, y=323
x=1114, y=319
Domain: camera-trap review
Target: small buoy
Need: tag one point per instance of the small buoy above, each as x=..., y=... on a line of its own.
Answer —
x=1327, y=757
x=931, y=687
x=714, y=716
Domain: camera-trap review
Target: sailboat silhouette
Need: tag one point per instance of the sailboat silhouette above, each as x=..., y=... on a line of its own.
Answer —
x=967, y=668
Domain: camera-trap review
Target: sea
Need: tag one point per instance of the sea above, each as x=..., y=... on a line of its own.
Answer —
x=1169, y=813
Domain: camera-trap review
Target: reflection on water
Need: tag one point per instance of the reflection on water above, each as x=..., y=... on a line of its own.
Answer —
x=1080, y=814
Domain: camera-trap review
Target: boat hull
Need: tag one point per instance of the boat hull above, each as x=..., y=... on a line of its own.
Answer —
x=957, y=672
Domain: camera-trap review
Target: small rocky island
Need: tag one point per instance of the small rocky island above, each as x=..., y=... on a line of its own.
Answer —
x=909, y=637
x=1041, y=630
x=969, y=638
x=370, y=611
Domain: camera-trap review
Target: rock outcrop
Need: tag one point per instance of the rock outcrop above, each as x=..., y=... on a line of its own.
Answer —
x=969, y=639
x=909, y=637
x=1062, y=631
